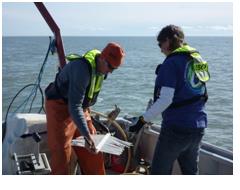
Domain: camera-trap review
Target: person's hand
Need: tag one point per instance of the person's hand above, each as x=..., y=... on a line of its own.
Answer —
x=136, y=127
x=90, y=145
x=91, y=127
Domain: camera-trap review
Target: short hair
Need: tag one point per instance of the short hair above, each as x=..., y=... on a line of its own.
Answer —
x=174, y=34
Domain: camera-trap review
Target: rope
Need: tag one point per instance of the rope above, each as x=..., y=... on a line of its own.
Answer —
x=119, y=128
x=36, y=87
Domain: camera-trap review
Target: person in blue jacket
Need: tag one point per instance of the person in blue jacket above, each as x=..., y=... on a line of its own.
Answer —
x=180, y=95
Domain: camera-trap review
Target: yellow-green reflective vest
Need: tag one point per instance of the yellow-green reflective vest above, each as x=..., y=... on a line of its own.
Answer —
x=96, y=79
x=200, y=67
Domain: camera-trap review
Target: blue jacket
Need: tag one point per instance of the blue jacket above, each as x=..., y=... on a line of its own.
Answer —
x=176, y=72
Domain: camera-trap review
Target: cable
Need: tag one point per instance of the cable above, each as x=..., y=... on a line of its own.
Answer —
x=39, y=78
x=15, y=98
x=36, y=87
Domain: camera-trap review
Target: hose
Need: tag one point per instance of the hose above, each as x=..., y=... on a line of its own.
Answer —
x=36, y=87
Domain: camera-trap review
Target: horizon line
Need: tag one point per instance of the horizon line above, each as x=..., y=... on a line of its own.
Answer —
x=111, y=36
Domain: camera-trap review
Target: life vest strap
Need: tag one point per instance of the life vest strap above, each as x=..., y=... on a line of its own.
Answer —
x=192, y=100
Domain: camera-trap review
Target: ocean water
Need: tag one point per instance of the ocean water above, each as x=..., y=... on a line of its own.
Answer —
x=131, y=86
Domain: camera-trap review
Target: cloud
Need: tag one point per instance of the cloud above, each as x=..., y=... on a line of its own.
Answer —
x=223, y=28
x=90, y=28
x=153, y=28
x=216, y=27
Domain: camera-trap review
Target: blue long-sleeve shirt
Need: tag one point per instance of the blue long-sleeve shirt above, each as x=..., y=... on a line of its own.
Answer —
x=72, y=82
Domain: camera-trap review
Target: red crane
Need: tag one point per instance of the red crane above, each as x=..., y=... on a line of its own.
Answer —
x=56, y=31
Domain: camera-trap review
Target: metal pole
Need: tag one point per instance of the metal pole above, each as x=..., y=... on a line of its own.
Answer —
x=55, y=29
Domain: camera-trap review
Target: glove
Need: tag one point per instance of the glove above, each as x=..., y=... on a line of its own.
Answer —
x=90, y=145
x=136, y=127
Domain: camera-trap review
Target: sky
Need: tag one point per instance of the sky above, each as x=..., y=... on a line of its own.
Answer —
x=119, y=19
x=136, y=19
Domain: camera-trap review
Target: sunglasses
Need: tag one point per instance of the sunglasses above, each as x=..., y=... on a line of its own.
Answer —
x=109, y=65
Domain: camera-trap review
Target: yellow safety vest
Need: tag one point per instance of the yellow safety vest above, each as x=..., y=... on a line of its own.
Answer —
x=96, y=79
x=200, y=67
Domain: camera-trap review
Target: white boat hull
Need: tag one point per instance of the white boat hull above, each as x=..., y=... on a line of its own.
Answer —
x=213, y=160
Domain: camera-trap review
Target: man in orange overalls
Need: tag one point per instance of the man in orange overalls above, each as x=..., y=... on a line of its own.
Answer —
x=68, y=99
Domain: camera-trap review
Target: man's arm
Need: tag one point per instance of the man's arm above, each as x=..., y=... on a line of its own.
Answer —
x=79, y=78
